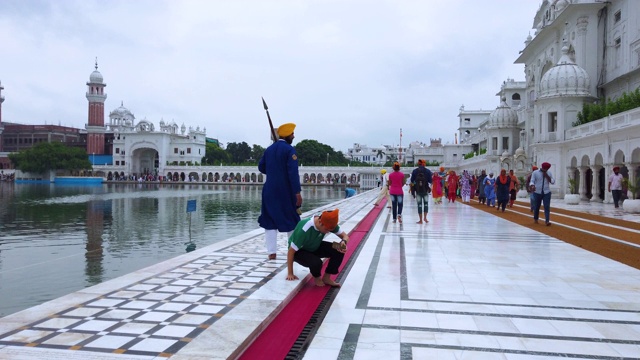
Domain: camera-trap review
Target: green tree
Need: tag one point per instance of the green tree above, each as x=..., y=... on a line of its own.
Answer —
x=239, y=152
x=391, y=158
x=380, y=155
x=214, y=155
x=597, y=111
x=312, y=152
x=256, y=152
x=51, y=156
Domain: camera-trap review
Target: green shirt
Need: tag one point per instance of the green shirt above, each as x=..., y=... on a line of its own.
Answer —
x=306, y=237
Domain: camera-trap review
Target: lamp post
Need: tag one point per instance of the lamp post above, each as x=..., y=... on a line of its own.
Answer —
x=327, y=159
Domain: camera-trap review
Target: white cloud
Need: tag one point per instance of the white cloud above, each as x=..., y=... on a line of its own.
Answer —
x=346, y=72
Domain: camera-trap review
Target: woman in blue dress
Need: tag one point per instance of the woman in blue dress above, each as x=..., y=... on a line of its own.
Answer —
x=489, y=189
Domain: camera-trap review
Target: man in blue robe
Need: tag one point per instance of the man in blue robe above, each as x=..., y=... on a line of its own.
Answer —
x=281, y=192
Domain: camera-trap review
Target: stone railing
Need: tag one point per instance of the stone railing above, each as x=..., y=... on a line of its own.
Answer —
x=609, y=123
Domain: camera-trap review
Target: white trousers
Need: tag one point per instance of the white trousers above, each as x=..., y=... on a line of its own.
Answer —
x=271, y=240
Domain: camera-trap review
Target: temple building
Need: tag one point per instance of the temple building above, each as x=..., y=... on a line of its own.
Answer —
x=123, y=147
x=582, y=52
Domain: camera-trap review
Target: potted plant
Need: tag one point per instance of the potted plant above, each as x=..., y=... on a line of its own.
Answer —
x=522, y=192
x=572, y=198
x=632, y=204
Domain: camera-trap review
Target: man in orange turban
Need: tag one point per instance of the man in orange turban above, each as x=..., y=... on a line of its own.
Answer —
x=307, y=248
x=281, y=191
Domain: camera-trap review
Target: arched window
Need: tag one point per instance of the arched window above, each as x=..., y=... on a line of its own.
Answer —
x=515, y=100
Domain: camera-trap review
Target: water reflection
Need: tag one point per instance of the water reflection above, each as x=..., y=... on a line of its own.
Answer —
x=97, y=213
x=58, y=239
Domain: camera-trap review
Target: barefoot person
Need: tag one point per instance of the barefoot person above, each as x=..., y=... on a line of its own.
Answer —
x=307, y=248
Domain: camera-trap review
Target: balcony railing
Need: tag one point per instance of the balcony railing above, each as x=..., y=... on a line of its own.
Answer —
x=615, y=122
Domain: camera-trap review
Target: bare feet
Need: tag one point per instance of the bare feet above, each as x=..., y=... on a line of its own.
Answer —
x=328, y=281
x=419, y=222
x=272, y=256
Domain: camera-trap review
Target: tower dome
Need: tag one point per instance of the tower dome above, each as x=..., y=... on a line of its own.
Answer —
x=565, y=79
x=503, y=116
x=96, y=76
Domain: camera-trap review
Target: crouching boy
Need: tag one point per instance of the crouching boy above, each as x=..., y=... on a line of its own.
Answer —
x=307, y=248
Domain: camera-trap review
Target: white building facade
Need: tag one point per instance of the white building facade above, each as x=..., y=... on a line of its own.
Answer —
x=140, y=149
x=583, y=51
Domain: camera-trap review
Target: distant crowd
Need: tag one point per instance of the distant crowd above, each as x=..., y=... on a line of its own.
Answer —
x=7, y=177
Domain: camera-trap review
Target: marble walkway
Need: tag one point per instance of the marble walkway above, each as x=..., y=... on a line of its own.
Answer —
x=467, y=285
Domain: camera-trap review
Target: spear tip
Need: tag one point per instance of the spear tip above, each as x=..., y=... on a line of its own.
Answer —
x=264, y=104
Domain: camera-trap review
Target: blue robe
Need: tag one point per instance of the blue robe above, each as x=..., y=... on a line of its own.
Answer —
x=280, y=163
x=489, y=190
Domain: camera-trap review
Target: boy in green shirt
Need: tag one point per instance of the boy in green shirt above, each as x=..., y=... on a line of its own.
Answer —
x=307, y=248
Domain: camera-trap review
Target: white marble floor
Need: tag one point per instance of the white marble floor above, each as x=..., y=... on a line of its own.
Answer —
x=206, y=304
x=469, y=285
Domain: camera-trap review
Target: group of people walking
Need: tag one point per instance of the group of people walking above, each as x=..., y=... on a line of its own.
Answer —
x=499, y=192
x=282, y=199
x=392, y=187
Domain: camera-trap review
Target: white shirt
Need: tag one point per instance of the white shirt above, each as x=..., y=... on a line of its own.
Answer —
x=541, y=184
x=615, y=181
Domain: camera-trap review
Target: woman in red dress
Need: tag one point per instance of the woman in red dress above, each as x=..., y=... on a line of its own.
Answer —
x=452, y=185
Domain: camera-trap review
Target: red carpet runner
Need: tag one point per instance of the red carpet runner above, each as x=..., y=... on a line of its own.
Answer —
x=279, y=336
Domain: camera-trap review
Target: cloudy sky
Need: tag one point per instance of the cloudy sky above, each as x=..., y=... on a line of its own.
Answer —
x=345, y=71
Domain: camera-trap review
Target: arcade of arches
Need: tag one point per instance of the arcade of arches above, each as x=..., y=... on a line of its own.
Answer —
x=592, y=175
x=237, y=177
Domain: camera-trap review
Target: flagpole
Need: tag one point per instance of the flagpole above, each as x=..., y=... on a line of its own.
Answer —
x=400, y=149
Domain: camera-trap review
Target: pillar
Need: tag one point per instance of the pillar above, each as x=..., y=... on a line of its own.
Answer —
x=583, y=182
x=595, y=189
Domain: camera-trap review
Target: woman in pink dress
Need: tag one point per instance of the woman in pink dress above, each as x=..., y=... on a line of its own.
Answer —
x=396, y=181
x=436, y=190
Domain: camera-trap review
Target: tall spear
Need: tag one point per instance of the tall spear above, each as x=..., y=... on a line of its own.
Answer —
x=273, y=132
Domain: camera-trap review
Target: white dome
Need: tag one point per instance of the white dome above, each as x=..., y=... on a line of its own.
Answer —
x=122, y=112
x=96, y=77
x=565, y=79
x=503, y=116
x=122, y=116
x=520, y=151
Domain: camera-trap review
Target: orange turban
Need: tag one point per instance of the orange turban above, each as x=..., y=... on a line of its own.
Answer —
x=329, y=219
x=534, y=167
x=285, y=130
